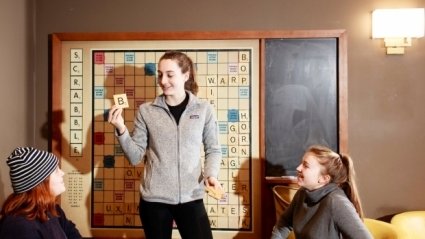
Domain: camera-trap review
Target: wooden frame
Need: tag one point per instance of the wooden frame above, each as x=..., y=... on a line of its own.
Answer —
x=267, y=212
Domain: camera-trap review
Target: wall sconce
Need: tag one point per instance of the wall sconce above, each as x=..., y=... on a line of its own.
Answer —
x=398, y=27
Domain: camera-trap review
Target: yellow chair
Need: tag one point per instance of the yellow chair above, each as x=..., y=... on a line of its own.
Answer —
x=380, y=229
x=291, y=236
x=410, y=225
x=282, y=195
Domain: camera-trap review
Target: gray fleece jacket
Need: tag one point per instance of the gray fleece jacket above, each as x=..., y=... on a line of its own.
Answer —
x=323, y=213
x=173, y=169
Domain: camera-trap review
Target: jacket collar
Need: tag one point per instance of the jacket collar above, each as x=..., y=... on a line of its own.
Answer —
x=312, y=197
x=160, y=100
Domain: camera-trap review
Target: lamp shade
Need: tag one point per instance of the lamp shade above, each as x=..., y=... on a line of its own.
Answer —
x=398, y=23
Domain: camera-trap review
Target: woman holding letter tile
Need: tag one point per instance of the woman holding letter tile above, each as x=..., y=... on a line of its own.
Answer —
x=168, y=135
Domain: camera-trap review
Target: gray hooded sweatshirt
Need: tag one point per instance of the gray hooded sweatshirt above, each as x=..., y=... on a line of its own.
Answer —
x=173, y=169
x=322, y=213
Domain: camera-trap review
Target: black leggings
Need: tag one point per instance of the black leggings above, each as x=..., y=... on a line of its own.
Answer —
x=191, y=219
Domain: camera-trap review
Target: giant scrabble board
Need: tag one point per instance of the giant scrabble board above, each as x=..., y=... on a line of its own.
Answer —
x=102, y=194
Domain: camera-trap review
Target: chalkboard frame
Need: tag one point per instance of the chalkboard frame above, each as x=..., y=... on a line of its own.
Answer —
x=301, y=85
x=342, y=105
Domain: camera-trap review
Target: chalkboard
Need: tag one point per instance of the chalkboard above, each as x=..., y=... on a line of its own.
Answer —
x=301, y=100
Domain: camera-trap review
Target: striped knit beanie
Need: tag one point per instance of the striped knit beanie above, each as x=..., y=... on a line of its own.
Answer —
x=29, y=167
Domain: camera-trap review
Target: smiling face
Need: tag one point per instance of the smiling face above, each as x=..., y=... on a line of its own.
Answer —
x=171, y=79
x=56, y=183
x=310, y=173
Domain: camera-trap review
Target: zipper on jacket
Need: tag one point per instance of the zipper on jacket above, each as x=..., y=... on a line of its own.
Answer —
x=178, y=150
x=178, y=159
x=178, y=143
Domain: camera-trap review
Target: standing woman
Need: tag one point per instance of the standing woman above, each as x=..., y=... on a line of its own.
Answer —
x=31, y=212
x=170, y=132
x=327, y=205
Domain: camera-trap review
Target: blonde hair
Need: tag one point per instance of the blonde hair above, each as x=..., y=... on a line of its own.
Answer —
x=340, y=168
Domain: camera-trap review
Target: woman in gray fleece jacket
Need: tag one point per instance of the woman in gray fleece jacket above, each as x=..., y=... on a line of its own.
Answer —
x=168, y=134
x=327, y=205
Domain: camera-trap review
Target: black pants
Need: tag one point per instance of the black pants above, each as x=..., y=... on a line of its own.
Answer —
x=191, y=219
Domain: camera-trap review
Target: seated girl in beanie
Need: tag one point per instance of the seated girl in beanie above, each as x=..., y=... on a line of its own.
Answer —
x=31, y=210
x=327, y=205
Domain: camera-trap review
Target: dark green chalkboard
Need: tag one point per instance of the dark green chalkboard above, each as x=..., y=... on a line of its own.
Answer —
x=301, y=100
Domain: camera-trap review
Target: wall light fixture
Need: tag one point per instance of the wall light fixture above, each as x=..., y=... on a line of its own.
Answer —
x=398, y=27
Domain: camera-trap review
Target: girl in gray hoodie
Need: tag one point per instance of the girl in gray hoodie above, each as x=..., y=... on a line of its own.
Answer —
x=327, y=205
x=168, y=135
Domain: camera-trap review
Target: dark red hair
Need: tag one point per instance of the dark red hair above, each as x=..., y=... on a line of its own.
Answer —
x=34, y=204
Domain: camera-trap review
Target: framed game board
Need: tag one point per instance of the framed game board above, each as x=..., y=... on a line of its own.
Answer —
x=87, y=69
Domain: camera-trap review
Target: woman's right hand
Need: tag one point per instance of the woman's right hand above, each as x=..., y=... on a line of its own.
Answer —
x=115, y=118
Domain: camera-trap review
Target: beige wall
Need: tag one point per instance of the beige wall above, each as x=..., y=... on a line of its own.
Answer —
x=386, y=112
x=17, y=96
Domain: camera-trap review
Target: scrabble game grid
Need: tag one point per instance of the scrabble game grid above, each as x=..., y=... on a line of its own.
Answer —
x=224, y=79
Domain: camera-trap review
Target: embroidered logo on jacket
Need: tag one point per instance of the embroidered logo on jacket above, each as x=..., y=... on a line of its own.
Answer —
x=194, y=117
